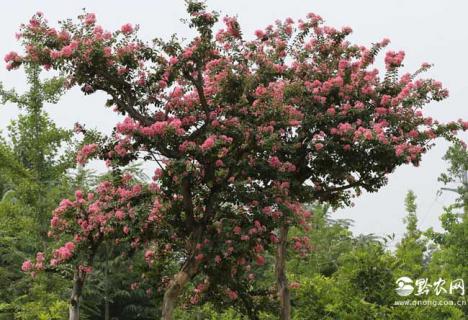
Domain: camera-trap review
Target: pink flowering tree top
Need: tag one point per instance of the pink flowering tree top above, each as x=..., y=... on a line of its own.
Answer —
x=241, y=132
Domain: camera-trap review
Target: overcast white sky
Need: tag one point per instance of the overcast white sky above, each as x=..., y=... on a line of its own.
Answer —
x=431, y=31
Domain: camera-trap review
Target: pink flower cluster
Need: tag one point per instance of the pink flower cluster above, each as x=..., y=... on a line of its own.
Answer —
x=394, y=59
x=130, y=127
x=276, y=163
x=87, y=150
x=12, y=59
x=149, y=256
x=63, y=253
x=90, y=18
x=66, y=52
x=127, y=28
x=232, y=294
x=26, y=266
x=232, y=27
x=208, y=143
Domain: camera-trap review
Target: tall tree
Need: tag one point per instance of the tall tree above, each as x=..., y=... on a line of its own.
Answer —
x=410, y=251
x=33, y=179
x=451, y=256
x=36, y=143
x=243, y=133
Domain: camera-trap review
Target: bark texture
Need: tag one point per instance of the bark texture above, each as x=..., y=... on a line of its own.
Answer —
x=75, y=299
x=176, y=287
x=281, y=278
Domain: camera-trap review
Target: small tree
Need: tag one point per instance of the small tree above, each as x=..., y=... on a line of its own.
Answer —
x=410, y=251
x=457, y=173
x=450, y=258
x=242, y=132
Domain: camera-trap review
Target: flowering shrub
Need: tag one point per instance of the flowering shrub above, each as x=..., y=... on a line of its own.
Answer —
x=242, y=132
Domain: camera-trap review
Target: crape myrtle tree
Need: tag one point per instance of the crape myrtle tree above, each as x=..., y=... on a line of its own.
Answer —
x=241, y=132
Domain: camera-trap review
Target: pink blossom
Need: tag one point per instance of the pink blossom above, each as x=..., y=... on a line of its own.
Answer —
x=70, y=246
x=64, y=35
x=274, y=162
x=368, y=135
x=65, y=252
x=119, y=214
x=331, y=111
x=40, y=257
x=208, y=143
x=127, y=126
x=12, y=57
x=98, y=31
x=274, y=238
x=187, y=53
x=260, y=260
x=122, y=70
x=385, y=42
x=126, y=28
x=232, y=26
x=87, y=150
x=231, y=294
x=78, y=194
x=90, y=18
x=55, y=54
x=107, y=51
x=413, y=134
x=26, y=266
x=261, y=90
x=66, y=51
x=425, y=65
x=259, y=33
x=149, y=254
x=399, y=149
x=318, y=146
x=394, y=59
x=54, y=221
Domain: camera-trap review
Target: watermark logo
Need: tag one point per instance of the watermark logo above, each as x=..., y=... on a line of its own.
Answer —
x=404, y=286
x=423, y=287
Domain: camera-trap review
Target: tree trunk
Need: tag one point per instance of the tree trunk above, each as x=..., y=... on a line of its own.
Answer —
x=281, y=278
x=176, y=287
x=78, y=281
x=106, y=286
